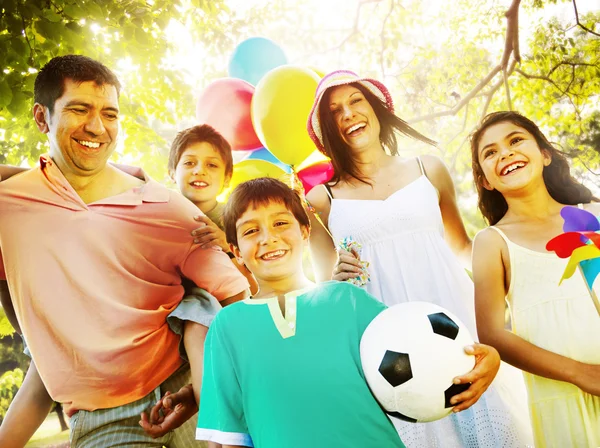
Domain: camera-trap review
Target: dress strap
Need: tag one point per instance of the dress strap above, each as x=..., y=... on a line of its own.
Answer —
x=421, y=166
x=502, y=234
x=328, y=190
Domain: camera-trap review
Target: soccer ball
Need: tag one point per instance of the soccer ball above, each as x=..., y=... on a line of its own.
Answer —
x=410, y=354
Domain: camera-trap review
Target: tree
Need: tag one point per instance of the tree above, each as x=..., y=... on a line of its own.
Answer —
x=129, y=37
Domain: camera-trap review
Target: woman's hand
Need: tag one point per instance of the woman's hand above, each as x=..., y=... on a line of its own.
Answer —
x=487, y=363
x=348, y=266
x=209, y=234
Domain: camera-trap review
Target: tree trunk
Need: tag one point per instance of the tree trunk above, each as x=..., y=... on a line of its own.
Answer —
x=61, y=417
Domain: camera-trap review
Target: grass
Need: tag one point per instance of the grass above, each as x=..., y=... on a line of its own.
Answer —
x=49, y=434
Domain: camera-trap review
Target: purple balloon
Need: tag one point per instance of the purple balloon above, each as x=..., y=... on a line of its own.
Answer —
x=578, y=220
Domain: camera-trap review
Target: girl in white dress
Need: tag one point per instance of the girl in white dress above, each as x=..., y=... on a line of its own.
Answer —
x=403, y=212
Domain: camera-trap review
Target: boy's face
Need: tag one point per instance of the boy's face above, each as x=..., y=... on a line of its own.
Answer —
x=271, y=242
x=200, y=173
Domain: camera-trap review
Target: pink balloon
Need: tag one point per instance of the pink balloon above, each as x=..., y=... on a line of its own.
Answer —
x=316, y=174
x=225, y=105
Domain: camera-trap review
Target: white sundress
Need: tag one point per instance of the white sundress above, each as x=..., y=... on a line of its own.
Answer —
x=402, y=238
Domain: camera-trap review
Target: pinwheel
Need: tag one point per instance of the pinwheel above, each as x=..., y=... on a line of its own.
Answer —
x=581, y=244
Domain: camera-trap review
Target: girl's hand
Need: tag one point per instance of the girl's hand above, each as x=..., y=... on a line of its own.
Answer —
x=487, y=363
x=588, y=379
x=348, y=266
x=209, y=234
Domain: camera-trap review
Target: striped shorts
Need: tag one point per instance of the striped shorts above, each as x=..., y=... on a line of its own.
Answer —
x=119, y=426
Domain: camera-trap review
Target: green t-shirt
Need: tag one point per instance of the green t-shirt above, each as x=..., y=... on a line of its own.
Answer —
x=216, y=215
x=295, y=380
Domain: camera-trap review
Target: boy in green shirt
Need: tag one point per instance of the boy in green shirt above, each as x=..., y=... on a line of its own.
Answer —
x=283, y=369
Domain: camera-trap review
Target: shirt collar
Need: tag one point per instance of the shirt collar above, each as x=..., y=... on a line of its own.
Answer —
x=151, y=191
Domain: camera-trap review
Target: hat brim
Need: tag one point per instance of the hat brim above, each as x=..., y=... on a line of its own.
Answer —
x=340, y=78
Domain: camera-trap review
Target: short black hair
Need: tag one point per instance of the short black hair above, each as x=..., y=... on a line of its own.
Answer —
x=261, y=191
x=50, y=82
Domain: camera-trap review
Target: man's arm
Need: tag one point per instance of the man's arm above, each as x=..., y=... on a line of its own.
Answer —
x=7, y=171
x=27, y=412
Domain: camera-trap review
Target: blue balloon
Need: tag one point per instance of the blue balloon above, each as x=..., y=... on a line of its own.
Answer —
x=265, y=154
x=254, y=57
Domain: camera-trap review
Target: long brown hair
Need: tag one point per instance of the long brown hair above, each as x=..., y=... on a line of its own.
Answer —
x=337, y=150
x=563, y=187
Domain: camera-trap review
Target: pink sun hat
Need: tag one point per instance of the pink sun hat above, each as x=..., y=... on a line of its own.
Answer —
x=340, y=78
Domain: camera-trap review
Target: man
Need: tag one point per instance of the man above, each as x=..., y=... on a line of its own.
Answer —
x=93, y=257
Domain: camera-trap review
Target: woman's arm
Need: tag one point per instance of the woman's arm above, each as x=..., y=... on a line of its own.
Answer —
x=489, y=277
x=322, y=249
x=454, y=228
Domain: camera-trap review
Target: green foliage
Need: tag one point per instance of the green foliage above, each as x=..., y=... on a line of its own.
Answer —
x=9, y=385
x=6, y=329
x=129, y=37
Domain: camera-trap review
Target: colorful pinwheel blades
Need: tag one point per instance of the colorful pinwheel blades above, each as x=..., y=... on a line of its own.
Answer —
x=579, y=220
x=581, y=244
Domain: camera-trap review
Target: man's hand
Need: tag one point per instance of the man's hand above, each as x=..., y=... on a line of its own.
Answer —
x=487, y=363
x=209, y=234
x=176, y=409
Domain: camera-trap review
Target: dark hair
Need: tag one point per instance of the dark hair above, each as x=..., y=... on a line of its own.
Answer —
x=257, y=192
x=337, y=150
x=199, y=134
x=50, y=81
x=560, y=184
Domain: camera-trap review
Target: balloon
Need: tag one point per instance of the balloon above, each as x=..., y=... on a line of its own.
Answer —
x=254, y=57
x=280, y=107
x=225, y=105
x=265, y=154
x=316, y=157
x=250, y=169
x=315, y=175
x=319, y=72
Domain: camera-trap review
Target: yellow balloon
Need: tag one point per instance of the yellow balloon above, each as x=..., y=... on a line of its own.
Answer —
x=251, y=169
x=319, y=72
x=316, y=157
x=280, y=106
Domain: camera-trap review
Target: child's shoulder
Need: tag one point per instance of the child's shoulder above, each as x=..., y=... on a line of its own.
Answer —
x=489, y=239
x=335, y=293
x=232, y=315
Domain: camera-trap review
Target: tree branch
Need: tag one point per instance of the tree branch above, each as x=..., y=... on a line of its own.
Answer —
x=463, y=101
x=506, y=87
x=511, y=44
x=354, y=29
x=381, y=58
x=580, y=24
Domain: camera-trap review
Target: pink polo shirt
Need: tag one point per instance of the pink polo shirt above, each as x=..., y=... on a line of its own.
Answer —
x=92, y=284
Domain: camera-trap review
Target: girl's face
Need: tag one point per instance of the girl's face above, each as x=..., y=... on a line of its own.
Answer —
x=354, y=117
x=510, y=157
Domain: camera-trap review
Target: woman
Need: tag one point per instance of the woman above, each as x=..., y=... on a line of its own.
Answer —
x=404, y=214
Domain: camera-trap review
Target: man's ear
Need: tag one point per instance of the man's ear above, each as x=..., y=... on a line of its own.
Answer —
x=41, y=115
